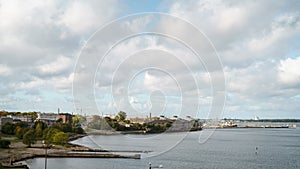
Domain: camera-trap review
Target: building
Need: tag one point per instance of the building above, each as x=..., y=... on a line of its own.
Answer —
x=66, y=117
x=4, y=120
x=139, y=120
x=47, y=118
x=25, y=118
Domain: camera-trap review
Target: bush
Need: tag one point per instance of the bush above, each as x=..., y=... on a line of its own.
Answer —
x=4, y=143
x=78, y=130
x=9, y=128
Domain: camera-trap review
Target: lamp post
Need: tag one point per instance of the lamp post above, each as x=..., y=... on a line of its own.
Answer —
x=44, y=144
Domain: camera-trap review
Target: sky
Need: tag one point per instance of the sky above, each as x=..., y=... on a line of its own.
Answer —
x=205, y=58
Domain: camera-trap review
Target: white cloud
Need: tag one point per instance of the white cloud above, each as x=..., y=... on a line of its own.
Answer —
x=61, y=64
x=39, y=41
x=151, y=82
x=35, y=83
x=244, y=32
x=80, y=17
x=86, y=16
x=62, y=83
x=5, y=70
x=289, y=71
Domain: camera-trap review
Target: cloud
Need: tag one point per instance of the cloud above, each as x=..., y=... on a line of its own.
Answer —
x=257, y=41
x=244, y=32
x=39, y=42
x=289, y=71
x=82, y=17
x=61, y=64
x=5, y=70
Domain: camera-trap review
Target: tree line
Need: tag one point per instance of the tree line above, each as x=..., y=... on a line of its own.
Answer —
x=119, y=124
x=58, y=133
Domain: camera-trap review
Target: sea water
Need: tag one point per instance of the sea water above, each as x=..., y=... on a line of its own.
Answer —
x=226, y=148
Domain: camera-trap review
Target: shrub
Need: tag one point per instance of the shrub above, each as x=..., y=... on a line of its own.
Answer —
x=78, y=130
x=9, y=128
x=4, y=143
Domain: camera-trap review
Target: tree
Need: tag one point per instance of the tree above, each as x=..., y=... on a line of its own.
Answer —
x=82, y=119
x=76, y=122
x=66, y=127
x=8, y=128
x=45, y=132
x=29, y=137
x=3, y=113
x=4, y=143
x=121, y=116
x=60, y=138
x=21, y=124
x=50, y=135
x=39, y=130
x=40, y=123
x=19, y=132
x=78, y=130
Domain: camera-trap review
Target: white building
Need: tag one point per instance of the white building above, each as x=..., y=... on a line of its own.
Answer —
x=48, y=118
x=21, y=118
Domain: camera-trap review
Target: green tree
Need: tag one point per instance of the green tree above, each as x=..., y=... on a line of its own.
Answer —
x=21, y=131
x=121, y=116
x=29, y=137
x=22, y=124
x=49, y=135
x=9, y=128
x=66, y=127
x=42, y=124
x=39, y=130
x=60, y=138
x=18, y=132
x=78, y=130
x=76, y=122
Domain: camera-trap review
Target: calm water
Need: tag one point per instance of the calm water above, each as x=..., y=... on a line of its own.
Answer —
x=226, y=148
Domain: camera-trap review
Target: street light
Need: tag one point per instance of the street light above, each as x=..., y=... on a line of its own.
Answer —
x=46, y=147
